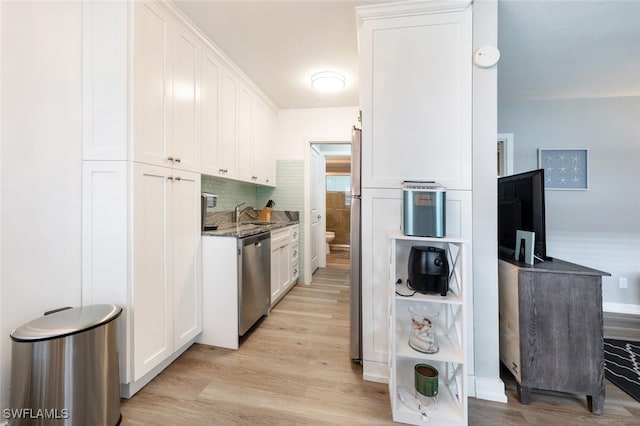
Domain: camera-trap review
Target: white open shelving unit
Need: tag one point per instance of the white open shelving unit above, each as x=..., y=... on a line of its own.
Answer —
x=450, y=331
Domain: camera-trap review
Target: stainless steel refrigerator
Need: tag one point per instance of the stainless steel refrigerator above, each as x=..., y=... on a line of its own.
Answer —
x=356, y=258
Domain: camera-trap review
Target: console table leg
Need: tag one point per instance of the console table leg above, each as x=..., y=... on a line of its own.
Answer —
x=596, y=403
x=524, y=394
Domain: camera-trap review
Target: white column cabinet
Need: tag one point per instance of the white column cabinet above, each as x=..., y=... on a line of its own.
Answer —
x=141, y=208
x=416, y=97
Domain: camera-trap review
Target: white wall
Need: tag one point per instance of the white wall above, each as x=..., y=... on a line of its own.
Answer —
x=41, y=165
x=296, y=127
x=599, y=227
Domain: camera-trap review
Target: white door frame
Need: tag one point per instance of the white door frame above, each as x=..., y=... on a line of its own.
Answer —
x=307, y=202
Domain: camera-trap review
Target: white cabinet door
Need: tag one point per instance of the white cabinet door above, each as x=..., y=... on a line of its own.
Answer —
x=381, y=212
x=285, y=274
x=152, y=293
x=186, y=255
x=211, y=69
x=245, y=166
x=280, y=255
x=275, y=273
x=259, y=141
x=152, y=85
x=416, y=99
x=270, y=126
x=227, y=150
x=263, y=125
x=185, y=140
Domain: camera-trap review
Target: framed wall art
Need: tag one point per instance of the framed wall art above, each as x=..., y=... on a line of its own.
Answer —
x=565, y=168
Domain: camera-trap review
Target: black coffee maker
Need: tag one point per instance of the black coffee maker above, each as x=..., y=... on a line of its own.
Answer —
x=428, y=270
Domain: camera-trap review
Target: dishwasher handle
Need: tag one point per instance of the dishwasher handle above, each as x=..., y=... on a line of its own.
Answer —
x=254, y=239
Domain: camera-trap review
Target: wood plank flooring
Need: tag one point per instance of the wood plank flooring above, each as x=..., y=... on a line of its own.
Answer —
x=294, y=369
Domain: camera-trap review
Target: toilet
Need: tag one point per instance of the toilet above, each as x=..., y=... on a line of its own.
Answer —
x=329, y=235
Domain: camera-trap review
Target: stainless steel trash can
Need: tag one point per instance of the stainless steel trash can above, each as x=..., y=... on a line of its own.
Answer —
x=64, y=369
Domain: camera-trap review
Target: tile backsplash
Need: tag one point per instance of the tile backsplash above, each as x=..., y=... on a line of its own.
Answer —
x=288, y=195
x=230, y=193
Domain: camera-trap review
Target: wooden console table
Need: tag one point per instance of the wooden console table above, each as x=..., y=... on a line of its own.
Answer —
x=551, y=328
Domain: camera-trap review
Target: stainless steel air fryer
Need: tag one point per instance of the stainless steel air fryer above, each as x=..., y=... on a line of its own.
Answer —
x=64, y=369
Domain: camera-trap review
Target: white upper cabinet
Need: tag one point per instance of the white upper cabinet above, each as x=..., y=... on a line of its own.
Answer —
x=415, y=77
x=245, y=166
x=248, y=133
x=210, y=129
x=166, y=81
x=152, y=85
x=263, y=160
x=228, y=148
x=185, y=142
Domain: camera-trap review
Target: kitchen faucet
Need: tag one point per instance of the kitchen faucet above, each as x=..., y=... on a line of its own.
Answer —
x=236, y=213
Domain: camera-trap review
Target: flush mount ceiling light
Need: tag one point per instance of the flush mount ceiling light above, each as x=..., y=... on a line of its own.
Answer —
x=327, y=81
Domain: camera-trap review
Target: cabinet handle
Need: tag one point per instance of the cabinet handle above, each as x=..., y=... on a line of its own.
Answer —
x=170, y=177
x=178, y=178
x=177, y=160
x=254, y=177
x=170, y=158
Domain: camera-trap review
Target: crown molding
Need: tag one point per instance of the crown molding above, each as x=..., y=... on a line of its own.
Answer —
x=410, y=8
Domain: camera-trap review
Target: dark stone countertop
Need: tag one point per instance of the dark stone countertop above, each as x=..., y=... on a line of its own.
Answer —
x=245, y=229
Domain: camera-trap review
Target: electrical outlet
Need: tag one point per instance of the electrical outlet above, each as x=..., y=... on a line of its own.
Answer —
x=622, y=282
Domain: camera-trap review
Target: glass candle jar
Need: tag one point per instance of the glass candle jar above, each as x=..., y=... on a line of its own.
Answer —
x=422, y=337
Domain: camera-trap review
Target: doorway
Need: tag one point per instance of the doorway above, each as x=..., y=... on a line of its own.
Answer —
x=329, y=206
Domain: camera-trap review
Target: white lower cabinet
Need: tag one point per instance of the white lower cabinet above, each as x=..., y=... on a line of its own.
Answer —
x=279, y=263
x=449, y=315
x=284, y=261
x=220, y=277
x=141, y=249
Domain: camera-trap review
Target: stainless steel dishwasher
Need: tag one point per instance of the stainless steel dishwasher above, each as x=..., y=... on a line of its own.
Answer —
x=254, y=273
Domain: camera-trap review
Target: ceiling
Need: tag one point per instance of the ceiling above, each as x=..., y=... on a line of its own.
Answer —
x=549, y=49
x=568, y=49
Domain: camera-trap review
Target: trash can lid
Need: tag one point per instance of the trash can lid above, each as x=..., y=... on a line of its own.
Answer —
x=66, y=322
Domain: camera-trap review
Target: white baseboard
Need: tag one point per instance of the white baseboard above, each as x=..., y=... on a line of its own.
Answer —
x=488, y=389
x=375, y=371
x=621, y=308
x=127, y=390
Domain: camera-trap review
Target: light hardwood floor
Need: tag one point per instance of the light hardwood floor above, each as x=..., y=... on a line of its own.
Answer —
x=294, y=369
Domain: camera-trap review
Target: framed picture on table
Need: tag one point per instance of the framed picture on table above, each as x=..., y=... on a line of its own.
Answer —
x=564, y=169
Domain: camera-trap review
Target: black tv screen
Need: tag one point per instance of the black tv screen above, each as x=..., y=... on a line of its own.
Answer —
x=521, y=206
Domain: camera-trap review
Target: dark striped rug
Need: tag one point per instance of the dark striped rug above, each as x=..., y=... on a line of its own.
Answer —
x=622, y=365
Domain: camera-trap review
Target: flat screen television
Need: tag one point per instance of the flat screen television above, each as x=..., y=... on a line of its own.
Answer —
x=521, y=206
